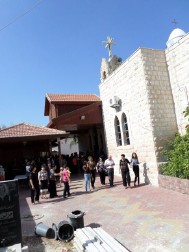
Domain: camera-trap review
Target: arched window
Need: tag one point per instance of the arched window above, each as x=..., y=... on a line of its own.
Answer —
x=118, y=132
x=125, y=130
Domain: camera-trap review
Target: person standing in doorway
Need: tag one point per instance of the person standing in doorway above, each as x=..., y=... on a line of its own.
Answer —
x=135, y=165
x=125, y=173
x=109, y=164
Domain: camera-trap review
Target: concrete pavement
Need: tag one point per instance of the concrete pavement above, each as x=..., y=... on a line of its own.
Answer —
x=143, y=218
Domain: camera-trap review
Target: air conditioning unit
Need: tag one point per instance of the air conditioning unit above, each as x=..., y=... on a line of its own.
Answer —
x=114, y=102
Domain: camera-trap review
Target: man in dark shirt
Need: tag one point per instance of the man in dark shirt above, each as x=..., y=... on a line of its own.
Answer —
x=123, y=164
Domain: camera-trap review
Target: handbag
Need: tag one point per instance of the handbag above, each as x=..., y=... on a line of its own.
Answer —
x=106, y=171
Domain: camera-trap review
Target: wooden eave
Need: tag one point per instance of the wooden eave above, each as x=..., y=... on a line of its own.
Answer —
x=27, y=132
x=72, y=121
x=86, y=101
x=32, y=138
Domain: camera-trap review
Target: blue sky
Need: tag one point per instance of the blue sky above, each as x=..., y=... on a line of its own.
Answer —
x=57, y=47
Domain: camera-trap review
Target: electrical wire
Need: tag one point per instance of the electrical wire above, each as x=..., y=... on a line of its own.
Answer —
x=22, y=15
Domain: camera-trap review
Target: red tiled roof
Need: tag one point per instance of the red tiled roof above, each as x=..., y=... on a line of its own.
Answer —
x=24, y=130
x=72, y=97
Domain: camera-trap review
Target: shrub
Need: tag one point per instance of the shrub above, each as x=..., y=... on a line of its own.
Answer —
x=177, y=155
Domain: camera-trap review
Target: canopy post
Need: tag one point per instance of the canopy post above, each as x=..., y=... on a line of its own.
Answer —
x=59, y=151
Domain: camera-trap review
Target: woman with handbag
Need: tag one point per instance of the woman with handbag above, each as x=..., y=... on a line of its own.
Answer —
x=101, y=170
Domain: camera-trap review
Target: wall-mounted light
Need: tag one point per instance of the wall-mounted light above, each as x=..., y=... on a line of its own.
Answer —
x=82, y=117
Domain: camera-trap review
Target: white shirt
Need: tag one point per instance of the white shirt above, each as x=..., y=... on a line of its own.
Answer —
x=109, y=163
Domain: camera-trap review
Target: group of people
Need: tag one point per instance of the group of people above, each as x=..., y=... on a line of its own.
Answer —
x=106, y=168
x=125, y=172
x=45, y=181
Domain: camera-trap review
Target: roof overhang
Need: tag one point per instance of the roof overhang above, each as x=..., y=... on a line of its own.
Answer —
x=84, y=99
x=80, y=119
x=26, y=132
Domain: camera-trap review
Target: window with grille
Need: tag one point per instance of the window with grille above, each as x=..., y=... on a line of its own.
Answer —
x=125, y=130
x=118, y=132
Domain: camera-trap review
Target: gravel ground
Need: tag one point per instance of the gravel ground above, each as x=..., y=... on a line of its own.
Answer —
x=42, y=244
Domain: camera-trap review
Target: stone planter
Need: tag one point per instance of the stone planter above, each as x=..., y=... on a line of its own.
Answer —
x=175, y=184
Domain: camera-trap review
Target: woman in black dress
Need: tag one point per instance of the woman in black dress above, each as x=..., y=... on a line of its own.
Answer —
x=52, y=182
x=34, y=185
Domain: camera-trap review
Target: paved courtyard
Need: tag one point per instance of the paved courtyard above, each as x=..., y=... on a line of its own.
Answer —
x=143, y=218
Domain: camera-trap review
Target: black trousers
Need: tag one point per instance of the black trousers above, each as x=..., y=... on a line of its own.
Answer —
x=111, y=176
x=35, y=194
x=102, y=177
x=126, y=177
x=52, y=188
x=136, y=172
x=93, y=178
x=66, y=189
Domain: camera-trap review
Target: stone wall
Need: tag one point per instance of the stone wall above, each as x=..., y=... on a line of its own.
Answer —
x=131, y=91
x=175, y=184
x=142, y=85
x=160, y=99
x=177, y=57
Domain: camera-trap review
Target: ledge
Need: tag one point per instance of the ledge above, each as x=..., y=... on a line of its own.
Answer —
x=174, y=184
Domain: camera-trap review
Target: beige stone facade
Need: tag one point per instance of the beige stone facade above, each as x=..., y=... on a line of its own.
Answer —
x=177, y=57
x=145, y=89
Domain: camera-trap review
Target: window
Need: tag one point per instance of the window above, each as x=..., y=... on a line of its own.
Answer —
x=118, y=132
x=125, y=130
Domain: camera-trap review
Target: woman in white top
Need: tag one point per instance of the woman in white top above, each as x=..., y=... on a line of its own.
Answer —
x=43, y=182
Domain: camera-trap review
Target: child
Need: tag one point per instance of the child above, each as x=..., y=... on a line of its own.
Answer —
x=65, y=179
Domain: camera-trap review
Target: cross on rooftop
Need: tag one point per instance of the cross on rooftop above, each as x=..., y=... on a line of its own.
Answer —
x=108, y=44
x=174, y=22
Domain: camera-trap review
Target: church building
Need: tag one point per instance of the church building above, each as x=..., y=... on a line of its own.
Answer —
x=143, y=99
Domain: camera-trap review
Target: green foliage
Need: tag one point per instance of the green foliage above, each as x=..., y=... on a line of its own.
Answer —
x=177, y=156
x=186, y=112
